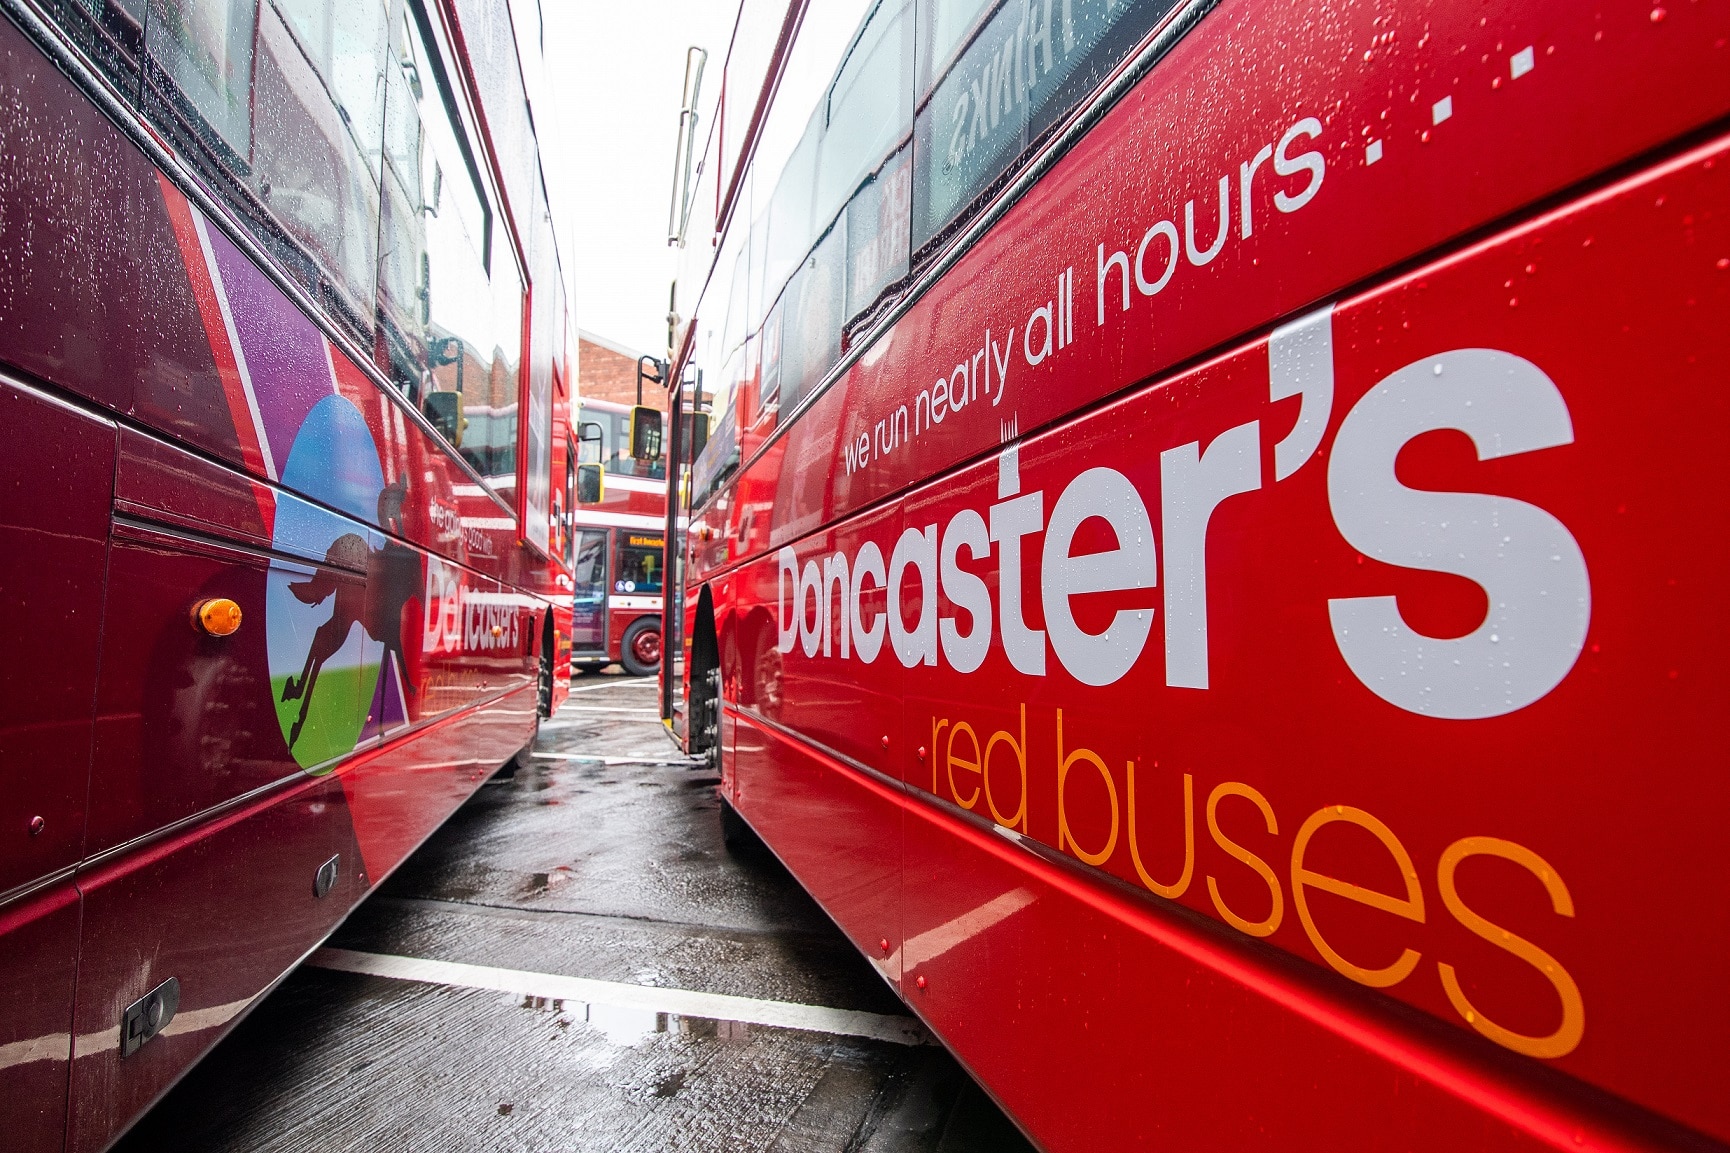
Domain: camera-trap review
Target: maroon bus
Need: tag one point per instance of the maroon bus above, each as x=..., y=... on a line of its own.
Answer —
x=1212, y=572
x=620, y=545
x=285, y=489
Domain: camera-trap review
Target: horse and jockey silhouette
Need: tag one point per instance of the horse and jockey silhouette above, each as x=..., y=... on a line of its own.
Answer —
x=375, y=603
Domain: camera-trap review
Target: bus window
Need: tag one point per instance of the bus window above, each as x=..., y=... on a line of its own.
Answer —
x=1052, y=54
x=639, y=566
x=589, y=596
x=606, y=440
x=205, y=50
x=449, y=299
x=318, y=120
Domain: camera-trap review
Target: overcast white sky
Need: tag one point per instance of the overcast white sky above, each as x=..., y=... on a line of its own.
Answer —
x=614, y=72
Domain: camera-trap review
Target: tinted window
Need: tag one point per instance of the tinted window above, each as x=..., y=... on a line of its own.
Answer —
x=1006, y=79
x=639, y=567
x=490, y=410
x=811, y=330
x=719, y=458
x=787, y=227
x=869, y=107
x=204, y=49
x=318, y=116
x=612, y=451
x=111, y=33
x=345, y=46
x=769, y=360
x=877, y=233
x=589, y=591
x=451, y=310
x=945, y=28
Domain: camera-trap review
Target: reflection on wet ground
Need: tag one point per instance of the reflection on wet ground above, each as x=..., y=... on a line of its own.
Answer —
x=575, y=962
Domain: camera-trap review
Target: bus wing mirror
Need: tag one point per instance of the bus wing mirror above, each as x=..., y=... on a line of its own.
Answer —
x=589, y=485
x=645, y=433
x=589, y=433
x=699, y=433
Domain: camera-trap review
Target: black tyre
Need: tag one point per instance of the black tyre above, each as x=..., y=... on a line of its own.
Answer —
x=640, y=650
x=544, y=698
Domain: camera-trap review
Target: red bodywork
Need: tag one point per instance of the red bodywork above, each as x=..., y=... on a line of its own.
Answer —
x=632, y=512
x=623, y=607
x=1230, y=853
x=177, y=429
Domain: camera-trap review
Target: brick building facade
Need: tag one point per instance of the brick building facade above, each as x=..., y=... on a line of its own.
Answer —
x=607, y=370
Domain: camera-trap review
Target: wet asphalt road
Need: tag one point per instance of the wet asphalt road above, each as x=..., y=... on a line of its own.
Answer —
x=601, y=861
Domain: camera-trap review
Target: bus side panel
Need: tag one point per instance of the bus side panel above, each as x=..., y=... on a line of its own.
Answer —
x=1516, y=450
x=837, y=830
x=1099, y=1024
x=399, y=795
x=503, y=728
x=812, y=669
x=226, y=908
x=56, y=476
x=39, y=944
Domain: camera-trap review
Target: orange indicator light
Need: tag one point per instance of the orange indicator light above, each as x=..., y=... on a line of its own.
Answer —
x=219, y=616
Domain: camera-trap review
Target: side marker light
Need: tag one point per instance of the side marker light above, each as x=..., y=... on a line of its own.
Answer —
x=217, y=617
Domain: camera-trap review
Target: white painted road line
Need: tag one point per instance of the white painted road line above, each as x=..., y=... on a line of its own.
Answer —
x=636, y=710
x=687, y=763
x=641, y=682
x=686, y=1003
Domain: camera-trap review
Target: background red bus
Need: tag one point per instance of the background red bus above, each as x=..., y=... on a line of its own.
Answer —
x=1210, y=569
x=620, y=548
x=284, y=546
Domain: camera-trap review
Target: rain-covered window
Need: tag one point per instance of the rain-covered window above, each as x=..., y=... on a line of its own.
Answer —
x=282, y=103
x=869, y=107
x=998, y=78
x=318, y=121
x=877, y=233
x=203, y=50
x=449, y=305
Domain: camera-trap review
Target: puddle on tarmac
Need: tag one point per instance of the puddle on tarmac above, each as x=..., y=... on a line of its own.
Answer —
x=553, y=879
x=626, y=1026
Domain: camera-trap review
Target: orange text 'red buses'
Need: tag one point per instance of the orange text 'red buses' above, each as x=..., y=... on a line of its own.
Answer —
x=285, y=495
x=1210, y=569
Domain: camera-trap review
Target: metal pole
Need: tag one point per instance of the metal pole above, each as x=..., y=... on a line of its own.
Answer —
x=659, y=375
x=673, y=583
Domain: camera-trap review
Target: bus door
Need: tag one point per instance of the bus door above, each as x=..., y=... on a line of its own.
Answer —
x=589, y=601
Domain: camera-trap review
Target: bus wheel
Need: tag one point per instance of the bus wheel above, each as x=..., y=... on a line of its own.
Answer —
x=544, y=697
x=640, y=650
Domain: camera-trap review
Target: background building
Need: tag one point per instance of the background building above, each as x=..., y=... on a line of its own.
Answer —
x=607, y=370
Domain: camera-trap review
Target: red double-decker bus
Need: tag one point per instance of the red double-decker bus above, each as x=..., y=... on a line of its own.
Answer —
x=285, y=548
x=620, y=548
x=1211, y=569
